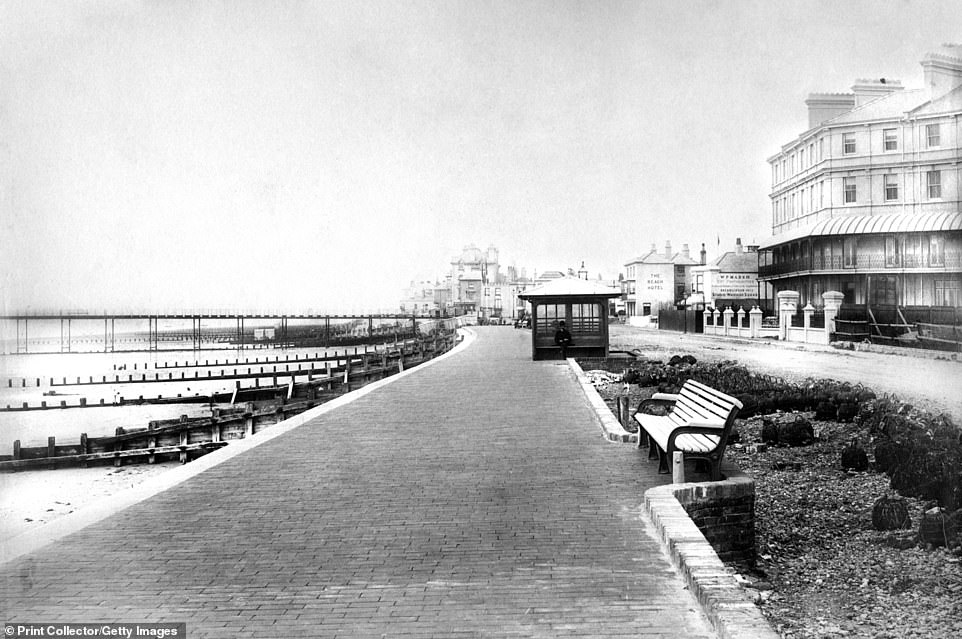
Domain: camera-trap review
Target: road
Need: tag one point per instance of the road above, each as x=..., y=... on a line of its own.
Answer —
x=927, y=379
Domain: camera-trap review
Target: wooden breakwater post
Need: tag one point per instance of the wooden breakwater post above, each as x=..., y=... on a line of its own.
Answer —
x=118, y=446
x=152, y=441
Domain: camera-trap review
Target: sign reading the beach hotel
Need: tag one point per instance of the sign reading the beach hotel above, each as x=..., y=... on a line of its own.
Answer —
x=654, y=282
x=735, y=286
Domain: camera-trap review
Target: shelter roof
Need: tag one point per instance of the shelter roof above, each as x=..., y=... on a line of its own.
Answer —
x=571, y=287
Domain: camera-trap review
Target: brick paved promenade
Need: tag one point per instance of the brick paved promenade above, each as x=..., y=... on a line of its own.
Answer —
x=474, y=497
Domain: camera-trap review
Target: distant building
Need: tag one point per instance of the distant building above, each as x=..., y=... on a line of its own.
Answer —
x=867, y=200
x=419, y=298
x=729, y=280
x=547, y=276
x=478, y=285
x=657, y=280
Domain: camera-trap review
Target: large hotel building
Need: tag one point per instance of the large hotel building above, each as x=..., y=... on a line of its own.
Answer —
x=867, y=200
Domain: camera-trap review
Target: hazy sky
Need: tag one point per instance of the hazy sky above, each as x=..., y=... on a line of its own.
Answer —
x=320, y=155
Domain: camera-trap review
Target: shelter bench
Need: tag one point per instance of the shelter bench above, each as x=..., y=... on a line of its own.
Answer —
x=698, y=423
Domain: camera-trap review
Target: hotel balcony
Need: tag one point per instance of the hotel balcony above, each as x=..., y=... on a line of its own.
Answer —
x=873, y=262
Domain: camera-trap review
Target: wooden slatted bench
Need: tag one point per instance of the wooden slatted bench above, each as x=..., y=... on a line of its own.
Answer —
x=698, y=423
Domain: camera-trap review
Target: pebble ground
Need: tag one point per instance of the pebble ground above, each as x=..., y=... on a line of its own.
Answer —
x=475, y=497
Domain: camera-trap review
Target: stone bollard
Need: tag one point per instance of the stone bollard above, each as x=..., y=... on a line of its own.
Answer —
x=678, y=467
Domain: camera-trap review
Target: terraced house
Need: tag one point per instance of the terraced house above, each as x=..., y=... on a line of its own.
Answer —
x=867, y=200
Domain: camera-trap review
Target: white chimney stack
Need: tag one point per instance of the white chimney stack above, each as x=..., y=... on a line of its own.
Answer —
x=942, y=71
x=868, y=90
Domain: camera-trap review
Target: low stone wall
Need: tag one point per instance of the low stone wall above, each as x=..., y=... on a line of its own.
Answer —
x=724, y=512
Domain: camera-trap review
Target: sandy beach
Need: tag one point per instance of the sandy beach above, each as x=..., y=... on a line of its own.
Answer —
x=32, y=498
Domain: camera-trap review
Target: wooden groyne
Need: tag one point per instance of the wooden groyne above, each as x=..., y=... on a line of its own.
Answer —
x=304, y=369
x=186, y=438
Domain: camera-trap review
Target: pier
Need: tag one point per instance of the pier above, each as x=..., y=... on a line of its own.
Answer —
x=239, y=335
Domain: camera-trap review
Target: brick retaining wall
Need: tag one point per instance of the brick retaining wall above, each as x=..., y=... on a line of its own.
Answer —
x=725, y=513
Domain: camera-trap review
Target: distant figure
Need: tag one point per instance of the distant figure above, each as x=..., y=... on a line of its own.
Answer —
x=563, y=339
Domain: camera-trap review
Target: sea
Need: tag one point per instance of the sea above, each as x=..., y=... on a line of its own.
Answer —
x=43, y=361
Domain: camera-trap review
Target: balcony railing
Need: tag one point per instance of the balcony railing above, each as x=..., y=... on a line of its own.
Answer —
x=864, y=261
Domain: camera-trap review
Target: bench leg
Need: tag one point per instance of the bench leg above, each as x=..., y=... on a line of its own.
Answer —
x=642, y=437
x=663, y=462
x=652, y=449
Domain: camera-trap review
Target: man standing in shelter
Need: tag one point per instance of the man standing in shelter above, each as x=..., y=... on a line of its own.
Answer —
x=563, y=339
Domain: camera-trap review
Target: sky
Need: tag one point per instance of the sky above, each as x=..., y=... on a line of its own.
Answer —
x=318, y=156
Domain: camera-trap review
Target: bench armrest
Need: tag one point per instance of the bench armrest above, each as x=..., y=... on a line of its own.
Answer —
x=698, y=428
x=670, y=397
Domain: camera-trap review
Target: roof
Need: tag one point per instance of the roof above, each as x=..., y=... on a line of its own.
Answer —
x=571, y=287
x=470, y=275
x=951, y=101
x=732, y=262
x=873, y=224
x=654, y=257
x=890, y=106
x=898, y=104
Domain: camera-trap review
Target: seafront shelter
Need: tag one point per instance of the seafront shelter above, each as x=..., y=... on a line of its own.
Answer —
x=582, y=305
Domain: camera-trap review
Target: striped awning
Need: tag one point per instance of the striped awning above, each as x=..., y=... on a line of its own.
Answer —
x=872, y=224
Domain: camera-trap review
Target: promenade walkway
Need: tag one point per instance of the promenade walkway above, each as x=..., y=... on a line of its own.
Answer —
x=474, y=497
